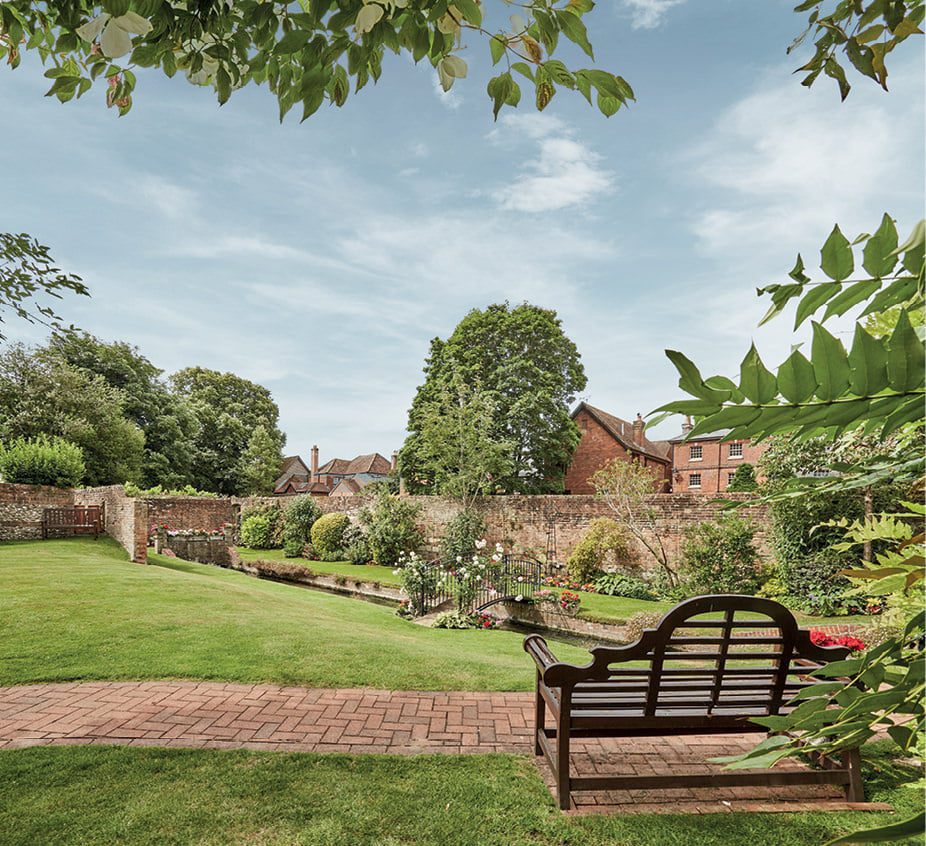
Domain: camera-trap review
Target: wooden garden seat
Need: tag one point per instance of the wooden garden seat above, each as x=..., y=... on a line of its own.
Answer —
x=82, y=519
x=690, y=675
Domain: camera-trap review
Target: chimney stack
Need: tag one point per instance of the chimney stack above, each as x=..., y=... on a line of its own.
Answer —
x=394, y=463
x=687, y=425
x=314, y=462
x=638, y=430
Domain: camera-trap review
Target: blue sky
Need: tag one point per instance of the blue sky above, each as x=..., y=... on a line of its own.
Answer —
x=320, y=259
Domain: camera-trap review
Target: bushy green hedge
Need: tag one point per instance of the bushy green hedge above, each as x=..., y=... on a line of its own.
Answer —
x=720, y=557
x=132, y=489
x=391, y=528
x=261, y=527
x=606, y=541
x=328, y=534
x=298, y=518
x=744, y=479
x=42, y=461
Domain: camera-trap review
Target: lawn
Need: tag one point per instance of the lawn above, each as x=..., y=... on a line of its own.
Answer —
x=95, y=795
x=363, y=572
x=78, y=609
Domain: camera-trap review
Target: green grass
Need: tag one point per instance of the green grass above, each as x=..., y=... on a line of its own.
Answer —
x=62, y=796
x=363, y=572
x=78, y=609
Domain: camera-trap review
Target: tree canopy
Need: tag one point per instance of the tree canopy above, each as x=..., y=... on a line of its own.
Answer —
x=228, y=409
x=314, y=51
x=526, y=374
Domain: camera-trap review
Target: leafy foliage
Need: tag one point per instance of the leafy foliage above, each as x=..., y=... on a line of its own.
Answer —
x=328, y=533
x=391, y=528
x=26, y=271
x=865, y=33
x=626, y=487
x=42, y=461
x=461, y=533
x=720, y=557
x=622, y=584
x=356, y=545
x=522, y=372
x=260, y=462
x=307, y=54
x=266, y=530
x=744, y=479
x=40, y=395
x=166, y=420
x=131, y=489
x=299, y=516
x=605, y=542
x=228, y=409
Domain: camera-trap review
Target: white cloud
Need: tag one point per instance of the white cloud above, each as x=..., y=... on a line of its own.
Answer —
x=783, y=164
x=451, y=99
x=648, y=14
x=563, y=172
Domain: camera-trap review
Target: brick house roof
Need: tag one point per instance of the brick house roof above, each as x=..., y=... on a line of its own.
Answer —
x=374, y=463
x=622, y=432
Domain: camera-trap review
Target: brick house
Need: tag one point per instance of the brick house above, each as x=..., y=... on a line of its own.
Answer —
x=606, y=437
x=706, y=463
x=347, y=477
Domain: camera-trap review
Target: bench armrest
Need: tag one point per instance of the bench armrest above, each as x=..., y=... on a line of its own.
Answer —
x=536, y=647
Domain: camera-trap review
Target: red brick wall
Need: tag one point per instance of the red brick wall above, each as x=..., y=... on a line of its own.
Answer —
x=21, y=508
x=597, y=448
x=125, y=519
x=716, y=467
x=192, y=512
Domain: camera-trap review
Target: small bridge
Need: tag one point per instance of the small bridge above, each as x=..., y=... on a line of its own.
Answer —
x=506, y=581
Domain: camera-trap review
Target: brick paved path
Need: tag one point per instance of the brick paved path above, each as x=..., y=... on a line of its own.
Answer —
x=294, y=719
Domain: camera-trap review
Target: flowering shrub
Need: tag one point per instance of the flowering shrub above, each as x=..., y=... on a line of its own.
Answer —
x=419, y=582
x=569, y=602
x=564, y=581
x=821, y=638
x=458, y=620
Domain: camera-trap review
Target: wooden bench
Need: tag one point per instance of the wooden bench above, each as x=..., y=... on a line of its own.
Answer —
x=80, y=520
x=691, y=675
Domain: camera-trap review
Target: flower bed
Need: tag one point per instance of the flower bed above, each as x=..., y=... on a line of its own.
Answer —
x=821, y=638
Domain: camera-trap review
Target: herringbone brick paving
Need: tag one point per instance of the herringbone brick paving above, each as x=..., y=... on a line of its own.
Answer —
x=210, y=715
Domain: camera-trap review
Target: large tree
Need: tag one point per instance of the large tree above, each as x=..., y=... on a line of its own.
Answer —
x=260, y=463
x=228, y=409
x=310, y=52
x=165, y=418
x=528, y=373
x=42, y=396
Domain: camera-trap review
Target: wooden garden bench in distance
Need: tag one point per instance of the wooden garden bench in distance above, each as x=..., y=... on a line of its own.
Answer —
x=692, y=674
x=79, y=520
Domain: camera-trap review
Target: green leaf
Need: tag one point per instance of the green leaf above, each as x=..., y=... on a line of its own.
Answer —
x=830, y=364
x=291, y=42
x=608, y=105
x=756, y=381
x=729, y=417
x=690, y=379
x=905, y=358
x=796, y=379
x=836, y=258
x=853, y=295
x=815, y=298
x=878, y=257
x=574, y=30
x=912, y=827
x=797, y=272
x=899, y=291
x=907, y=411
x=497, y=47
x=470, y=10
x=867, y=364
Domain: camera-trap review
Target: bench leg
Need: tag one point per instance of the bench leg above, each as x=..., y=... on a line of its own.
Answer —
x=562, y=752
x=540, y=717
x=855, y=789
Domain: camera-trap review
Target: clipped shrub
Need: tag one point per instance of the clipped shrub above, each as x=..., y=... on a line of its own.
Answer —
x=257, y=531
x=605, y=542
x=620, y=584
x=293, y=548
x=42, y=461
x=328, y=535
x=744, y=479
x=391, y=528
x=720, y=557
x=461, y=534
x=132, y=489
x=298, y=519
x=269, y=529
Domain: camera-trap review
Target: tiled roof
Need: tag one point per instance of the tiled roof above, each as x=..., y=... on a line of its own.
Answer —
x=374, y=463
x=622, y=431
x=347, y=487
x=334, y=467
